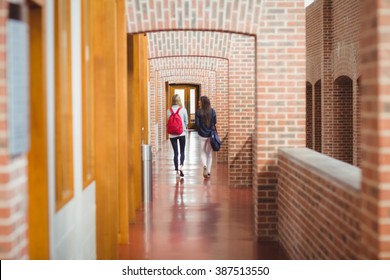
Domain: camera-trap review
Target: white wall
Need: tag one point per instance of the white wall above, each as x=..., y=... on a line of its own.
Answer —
x=72, y=228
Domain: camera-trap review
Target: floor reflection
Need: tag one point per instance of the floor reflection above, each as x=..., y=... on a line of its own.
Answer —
x=195, y=218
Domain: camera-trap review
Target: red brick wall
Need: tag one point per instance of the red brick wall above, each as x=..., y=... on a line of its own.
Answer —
x=346, y=22
x=241, y=110
x=319, y=217
x=13, y=177
x=326, y=77
x=343, y=119
x=333, y=51
x=185, y=69
x=228, y=82
x=222, y=106
x=174, y=69
x=309, y=115
x=314, y=42
x=346, y=35
x=317, y=116
x=357, y=124
x=280, y=101
x=279, y=59
x=375, y=69
x=313, y=116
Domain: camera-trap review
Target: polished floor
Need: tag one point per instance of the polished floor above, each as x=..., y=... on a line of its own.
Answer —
x=195, y=218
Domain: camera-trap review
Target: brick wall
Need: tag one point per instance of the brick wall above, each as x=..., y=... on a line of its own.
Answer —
x=189, y=43
x=241, y=110
x=174, y=69
x=357, y=123
x=319, y=206
x=280, y=101
x=229, y=82
x=279, y=59
x=332, y=52
x=326, y=77
x=314, y=42
x=222, y=106
x=313, y=116
x=343, y=120
x=346, y=35
x=309, y=115
x=178, y=69
x=13, y=171
x=317, y=116
x=375, y=69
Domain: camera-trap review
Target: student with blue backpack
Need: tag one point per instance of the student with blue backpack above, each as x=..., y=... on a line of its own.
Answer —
x=206, y=120
x=177, y=128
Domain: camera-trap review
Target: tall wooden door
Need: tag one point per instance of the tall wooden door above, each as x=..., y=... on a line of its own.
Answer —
x=38, y=206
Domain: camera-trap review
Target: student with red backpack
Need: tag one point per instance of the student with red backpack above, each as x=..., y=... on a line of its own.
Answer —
x=177, y=128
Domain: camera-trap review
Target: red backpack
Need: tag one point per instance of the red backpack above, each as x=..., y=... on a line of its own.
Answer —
x=175, y=124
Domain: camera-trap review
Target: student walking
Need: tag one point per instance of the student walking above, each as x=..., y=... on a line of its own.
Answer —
x=177, y=132
x=205, y=119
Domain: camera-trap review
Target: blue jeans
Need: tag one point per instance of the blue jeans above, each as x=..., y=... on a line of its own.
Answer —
x=182, y=141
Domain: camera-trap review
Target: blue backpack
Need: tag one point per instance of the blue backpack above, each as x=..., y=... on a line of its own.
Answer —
x=214, y=140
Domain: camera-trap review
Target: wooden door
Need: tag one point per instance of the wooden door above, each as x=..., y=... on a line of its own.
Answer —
x=189, y=95
x=38, y=206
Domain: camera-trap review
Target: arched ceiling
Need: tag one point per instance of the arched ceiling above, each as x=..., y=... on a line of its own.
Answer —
x=185, y=62
x=191, y=34
x=241, y=16
x=190, y=49
x=189, y=43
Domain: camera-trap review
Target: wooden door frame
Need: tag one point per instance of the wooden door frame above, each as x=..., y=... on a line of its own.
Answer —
x=186, y=87
x=38, y=191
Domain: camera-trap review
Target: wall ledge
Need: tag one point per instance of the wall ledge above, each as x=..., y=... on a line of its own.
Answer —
x=325, y=166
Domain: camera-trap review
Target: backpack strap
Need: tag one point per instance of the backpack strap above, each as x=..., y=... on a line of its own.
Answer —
x=213, y=114
x=173, y=113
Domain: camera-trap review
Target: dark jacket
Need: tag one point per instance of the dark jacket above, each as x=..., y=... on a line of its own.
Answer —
x=200, y=122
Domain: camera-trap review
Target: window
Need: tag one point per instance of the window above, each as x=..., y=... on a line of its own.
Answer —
x=88, y=108
x=63, y=104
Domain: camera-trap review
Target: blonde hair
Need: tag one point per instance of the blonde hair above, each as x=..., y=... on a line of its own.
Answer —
x=176, y=100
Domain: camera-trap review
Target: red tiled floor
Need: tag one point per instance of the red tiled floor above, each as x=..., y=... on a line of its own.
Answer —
x=195, y=218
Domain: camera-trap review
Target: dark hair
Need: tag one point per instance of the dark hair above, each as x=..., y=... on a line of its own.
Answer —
x=205, y=109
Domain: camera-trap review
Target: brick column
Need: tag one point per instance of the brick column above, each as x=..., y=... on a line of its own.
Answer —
x=317, y=117
x=222, y=106
x=357, y=123
x=309, y=115
x=375, y=69
x=241, y=110
x=280, y=102
x=327, y=79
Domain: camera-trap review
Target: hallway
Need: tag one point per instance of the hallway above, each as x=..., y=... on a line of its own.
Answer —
x=195, y=218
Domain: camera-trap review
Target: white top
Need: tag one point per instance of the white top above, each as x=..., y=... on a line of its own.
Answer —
x=184, y=118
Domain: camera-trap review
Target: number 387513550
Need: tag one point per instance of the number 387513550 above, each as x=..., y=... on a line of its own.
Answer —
x=235, y=270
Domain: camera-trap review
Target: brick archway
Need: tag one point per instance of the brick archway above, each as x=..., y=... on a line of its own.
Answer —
x=309, y=115
x=343, y=119
x=231, y=62
x=187, y=69
x=318, y=117
x=277, y=113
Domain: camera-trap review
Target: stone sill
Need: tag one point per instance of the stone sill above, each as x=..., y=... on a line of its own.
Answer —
x=324, y=166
